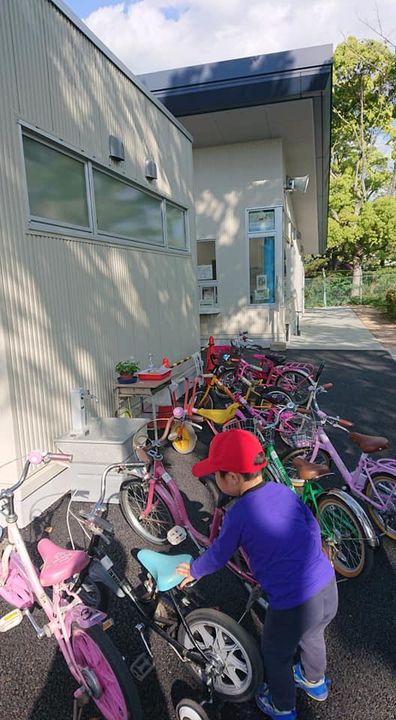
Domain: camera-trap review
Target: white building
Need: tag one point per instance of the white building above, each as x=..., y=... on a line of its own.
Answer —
x=97, y=257
x=257, y=123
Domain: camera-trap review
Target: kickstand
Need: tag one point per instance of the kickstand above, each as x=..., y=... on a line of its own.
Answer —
x=80, y=700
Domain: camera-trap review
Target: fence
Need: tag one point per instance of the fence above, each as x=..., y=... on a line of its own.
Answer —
x=330, y=289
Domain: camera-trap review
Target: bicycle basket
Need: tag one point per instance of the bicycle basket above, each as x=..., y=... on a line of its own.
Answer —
x=301, y=432
x=263, y=435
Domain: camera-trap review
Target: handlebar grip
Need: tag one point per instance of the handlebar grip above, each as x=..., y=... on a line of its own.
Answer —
x=60, y=457
x=327, y=386
x=36, y=457
x=345, y=423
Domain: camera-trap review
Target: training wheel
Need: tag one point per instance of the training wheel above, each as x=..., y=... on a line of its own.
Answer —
x=188, y=709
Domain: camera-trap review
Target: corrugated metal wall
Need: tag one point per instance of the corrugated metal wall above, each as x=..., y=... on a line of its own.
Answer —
x=70, y=309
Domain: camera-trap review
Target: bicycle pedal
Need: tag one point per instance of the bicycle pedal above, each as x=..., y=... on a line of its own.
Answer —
x=11, y=620
x=176, y=535
x=141, y=667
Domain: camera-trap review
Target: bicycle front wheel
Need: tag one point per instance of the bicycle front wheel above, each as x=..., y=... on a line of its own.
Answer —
x=234, y=652
x=155, y=525
x=344, y=538
x=382, y=488
x=111, y=685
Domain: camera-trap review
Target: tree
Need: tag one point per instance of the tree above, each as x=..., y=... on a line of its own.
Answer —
x=363, y=113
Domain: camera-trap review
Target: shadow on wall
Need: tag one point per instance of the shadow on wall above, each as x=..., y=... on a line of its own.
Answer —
x=73, y=308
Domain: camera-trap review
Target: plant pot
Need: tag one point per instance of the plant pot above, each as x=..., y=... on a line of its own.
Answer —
x=127, y=379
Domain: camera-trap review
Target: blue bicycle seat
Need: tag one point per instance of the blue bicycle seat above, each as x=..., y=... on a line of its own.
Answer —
x=163, y=567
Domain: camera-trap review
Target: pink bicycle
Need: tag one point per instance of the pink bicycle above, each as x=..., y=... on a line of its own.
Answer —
x=373, y=481
x=153, y=506
x=90, y=655
x=293, y=377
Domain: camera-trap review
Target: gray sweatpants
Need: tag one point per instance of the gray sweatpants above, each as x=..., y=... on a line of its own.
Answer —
x=299, y=628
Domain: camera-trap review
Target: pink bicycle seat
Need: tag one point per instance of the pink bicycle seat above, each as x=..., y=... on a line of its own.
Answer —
x=59, y=563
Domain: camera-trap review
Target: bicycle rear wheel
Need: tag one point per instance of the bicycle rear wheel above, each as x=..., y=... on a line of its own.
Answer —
x=344, y=538
x=383, y=486
x=106, y=674
x=155, y=525
x=296, y=384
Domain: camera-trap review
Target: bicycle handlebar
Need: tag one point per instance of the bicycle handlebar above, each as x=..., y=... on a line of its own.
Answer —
x=35, y=457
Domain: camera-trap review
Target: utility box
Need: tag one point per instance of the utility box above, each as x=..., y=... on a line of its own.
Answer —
x=108, y=441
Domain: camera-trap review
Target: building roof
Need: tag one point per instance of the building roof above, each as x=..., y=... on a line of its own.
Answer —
x=233, y=88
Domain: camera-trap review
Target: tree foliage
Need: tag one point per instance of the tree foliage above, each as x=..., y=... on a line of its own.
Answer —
x=362, y=202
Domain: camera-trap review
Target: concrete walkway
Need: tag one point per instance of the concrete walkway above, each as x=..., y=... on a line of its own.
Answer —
x=333, y=329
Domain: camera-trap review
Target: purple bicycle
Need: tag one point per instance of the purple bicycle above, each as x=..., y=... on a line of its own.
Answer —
x=373, y=481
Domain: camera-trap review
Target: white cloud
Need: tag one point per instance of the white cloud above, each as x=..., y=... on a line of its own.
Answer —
x=146, y=37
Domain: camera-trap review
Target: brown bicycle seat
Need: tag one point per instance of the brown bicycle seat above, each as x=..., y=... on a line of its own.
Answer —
x=369, y=443
x=308, y=470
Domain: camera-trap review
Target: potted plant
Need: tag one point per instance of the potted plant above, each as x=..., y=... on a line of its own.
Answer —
x=127, y=370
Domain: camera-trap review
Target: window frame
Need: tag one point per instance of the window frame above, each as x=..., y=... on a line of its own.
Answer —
x=127, y=238
x=91, y=232
x=38, y=219
x=276, y=233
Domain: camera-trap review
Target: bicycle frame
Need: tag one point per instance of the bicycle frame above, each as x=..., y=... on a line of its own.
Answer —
x=311, y=491
x=163, y=484
x=358, y=478
x=20, y=586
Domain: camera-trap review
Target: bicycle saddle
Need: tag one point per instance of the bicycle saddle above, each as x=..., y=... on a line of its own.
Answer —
x=162, y=567
x=276, y=359
x=369, y=443
x=308, y=470
x=59, y=563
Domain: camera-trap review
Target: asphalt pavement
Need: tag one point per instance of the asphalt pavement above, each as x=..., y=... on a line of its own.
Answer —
x=361, y=641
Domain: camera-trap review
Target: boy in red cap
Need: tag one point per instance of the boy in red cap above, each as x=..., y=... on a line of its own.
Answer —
x=282, y=540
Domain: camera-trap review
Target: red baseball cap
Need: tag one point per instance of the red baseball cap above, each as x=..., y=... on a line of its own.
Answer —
x=232, y=451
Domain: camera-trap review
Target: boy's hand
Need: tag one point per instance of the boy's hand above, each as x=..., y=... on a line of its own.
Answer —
x=184, y=569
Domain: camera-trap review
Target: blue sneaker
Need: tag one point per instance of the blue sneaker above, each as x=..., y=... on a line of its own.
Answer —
x=265, y=704
x=316, y=690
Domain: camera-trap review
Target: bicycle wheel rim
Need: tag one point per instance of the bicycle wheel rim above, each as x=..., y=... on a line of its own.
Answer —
x=385, y=486
x=155, y=526
x=90, y=658
x=345, y=537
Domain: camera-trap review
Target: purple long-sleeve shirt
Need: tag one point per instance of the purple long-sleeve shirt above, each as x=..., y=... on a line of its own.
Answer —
x=282, y=540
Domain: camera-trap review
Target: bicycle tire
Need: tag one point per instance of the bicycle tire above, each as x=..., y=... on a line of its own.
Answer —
x=206, y=624
x=299, y=391
x=94, y=651
x=163, y=521
x=95, y=594
x=200, y=402
x=375, y=514
x=322, y=458
x=343, y=547
x=188, y=709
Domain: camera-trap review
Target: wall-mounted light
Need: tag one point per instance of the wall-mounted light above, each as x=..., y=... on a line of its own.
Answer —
x=116, y=148
x=297, y=184
x=150, y=169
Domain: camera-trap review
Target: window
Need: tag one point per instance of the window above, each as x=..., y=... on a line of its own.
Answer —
x=175, y=227
x=261, y=238
x=262, y=270
x=68, y=193
x=56, y=185
x=123, y=210
x=261, y=221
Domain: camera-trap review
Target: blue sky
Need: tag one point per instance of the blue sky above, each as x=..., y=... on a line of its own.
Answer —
x=150, y=35
x=83, y=8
